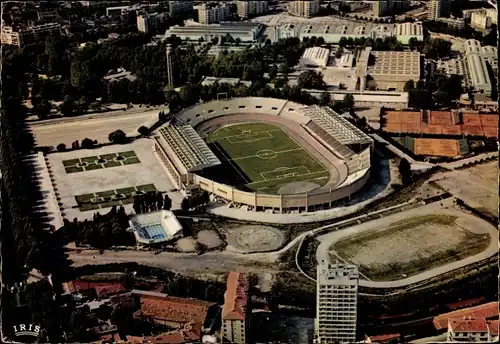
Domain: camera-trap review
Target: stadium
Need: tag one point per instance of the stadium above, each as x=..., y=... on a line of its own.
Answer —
x=265, y=154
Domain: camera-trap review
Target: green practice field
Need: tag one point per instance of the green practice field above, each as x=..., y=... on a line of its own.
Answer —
x=265, y=157
x=110, y=198
x=97, y=162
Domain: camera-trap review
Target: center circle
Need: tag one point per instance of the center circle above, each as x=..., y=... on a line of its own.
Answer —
x=267, y=154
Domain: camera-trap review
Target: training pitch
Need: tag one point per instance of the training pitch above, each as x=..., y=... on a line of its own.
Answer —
x=90, y=163
x=412, y=245
x=110, y=198
x=264, y=157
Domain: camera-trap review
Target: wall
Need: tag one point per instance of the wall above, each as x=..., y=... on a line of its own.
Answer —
x=252, y=199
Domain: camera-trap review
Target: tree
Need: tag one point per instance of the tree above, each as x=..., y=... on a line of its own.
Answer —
x=339, y=52
x=87, y=143
x=61, y=147
x=43, y=109
x=405, y=171
x=325, y=99
x=143, y=130
x=186, y=204
x=117, y=137
x=349, y=101
x=167, y=203
x=409, y=86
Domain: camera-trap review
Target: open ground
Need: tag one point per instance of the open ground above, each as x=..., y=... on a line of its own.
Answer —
x=68, y=185
x=413, y=244
x=265, y=157
x=477, y=186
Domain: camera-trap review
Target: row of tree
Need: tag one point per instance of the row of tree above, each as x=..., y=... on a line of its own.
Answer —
x=151, y=201
x=437, y=91
x=197, y=201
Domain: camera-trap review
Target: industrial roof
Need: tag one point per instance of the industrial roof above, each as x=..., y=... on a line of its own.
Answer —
x=396, y=63
x=316, y=53
x=409, y=29
x=189, y=147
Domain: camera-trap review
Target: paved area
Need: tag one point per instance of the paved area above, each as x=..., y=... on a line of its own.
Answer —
x=95, y=127
x=246, y=239
x=473, y=224
x=185, y=245
x=148, y=171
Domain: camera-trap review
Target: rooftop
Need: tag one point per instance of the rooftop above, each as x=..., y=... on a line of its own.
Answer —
x=235, y=299
x=173, y=309
x=396, y=62
x=468, y=325
x=485, y=311
x=156, y=226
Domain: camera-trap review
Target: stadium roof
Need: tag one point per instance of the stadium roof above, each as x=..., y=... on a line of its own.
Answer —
x=337, y=126
x=189, y=147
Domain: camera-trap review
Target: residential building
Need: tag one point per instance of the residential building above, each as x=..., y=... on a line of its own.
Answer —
x=116, y=11
x=244, y=31
x=235, y=319
x=382, y=8
x=438, y=8
x=179, y=7
x=248, y=9
x=458, y=23
x=28, y=35
x=149, y=21
x=483, y=18
x=477, y=69
x=214, y=13
x=336, y=307
x=306, y=8
x=472, y=330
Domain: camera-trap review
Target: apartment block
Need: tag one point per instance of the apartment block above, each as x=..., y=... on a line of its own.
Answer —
x=337, y=299
x=148, y=22
x=382, y=8
x=179, y=7
x=438, y=8
x=213, y=13
x=28, y=35
x=306, y=9
x=248, y=9
x=235, y=319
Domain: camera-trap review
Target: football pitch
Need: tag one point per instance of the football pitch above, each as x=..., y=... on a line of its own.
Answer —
x=264, y=157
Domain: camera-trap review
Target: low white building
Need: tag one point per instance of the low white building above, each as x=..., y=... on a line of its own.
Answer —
x=469, y=331
x=315, y=57
x=156, y=227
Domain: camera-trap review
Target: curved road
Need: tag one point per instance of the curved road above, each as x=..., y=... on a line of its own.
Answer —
x=482, y=227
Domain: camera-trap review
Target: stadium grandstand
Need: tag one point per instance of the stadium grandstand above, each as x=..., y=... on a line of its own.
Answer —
x=340, y=149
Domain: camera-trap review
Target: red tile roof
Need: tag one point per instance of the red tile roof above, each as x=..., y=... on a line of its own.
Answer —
x=382, y=338
x=172, y=309
x=110, y=290
x=235, y=299
x=485, y=311
x=493, y=326
x=188, y=334
x=79, y=285
x=468, y=325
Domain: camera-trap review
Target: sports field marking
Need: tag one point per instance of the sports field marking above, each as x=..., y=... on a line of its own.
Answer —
x=311, y=155
x=232, y=164
x=310, y=174
x=284, y=172
x=252, y=133
x=260, y=156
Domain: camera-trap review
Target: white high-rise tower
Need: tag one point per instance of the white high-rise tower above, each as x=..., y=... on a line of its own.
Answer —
x=336, y=305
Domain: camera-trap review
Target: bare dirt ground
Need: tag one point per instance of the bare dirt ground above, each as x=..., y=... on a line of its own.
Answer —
x=477, y=186
x=185, y=245
x=247, y=239
x=209, y=238
x=413, y=242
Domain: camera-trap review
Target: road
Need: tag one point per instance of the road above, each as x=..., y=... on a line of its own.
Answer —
x=96, y=127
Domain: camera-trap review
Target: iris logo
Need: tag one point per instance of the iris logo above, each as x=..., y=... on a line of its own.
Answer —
x=26, y=330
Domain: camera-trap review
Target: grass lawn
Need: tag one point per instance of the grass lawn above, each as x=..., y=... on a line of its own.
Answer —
x=112, y=163
x=89, y=159
x=128, y=154
x=92, y=167
x=108, y=156
x=106, y=193
x=71, y=162
x=73, y=169
x=265, y=156
x=130, y=161
x=126, y=191
x=146, y=188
